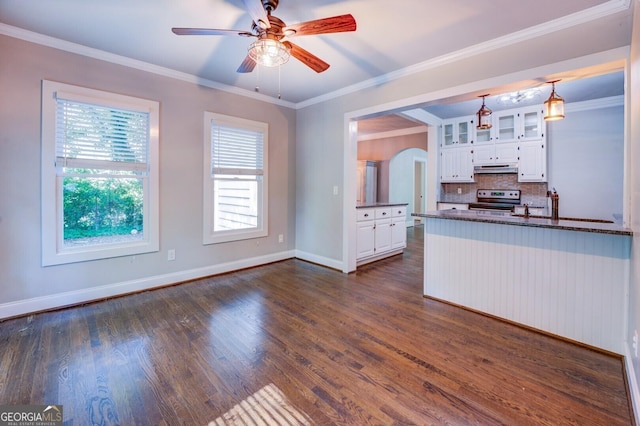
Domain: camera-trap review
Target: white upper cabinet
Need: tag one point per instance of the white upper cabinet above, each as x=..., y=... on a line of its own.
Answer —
x=495, y=153
x=505, y=124
x=483, y=136
x=532, y=161
x=457, y=132
x=518, y=124
x=456, y=165
x=532, y=124
x=464, y=146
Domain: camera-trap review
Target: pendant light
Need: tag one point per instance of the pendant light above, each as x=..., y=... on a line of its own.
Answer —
x=554, y=106
x=484, y=116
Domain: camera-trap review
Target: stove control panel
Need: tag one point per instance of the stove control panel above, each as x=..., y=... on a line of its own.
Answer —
x=499, y=194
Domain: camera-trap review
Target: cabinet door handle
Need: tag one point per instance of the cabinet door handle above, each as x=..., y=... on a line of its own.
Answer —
x=366, y=215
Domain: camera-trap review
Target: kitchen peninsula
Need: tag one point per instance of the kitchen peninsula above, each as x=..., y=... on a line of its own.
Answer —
x=564, y=277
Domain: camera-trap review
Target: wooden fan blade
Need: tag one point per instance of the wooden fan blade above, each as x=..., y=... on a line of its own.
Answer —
x=247, y=65
x=307, y=58
x=336, y=24
x=210, y=31
x=257, y=12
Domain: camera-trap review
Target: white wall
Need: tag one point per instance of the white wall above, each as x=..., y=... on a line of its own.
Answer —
x=25, y=285
x=633, y=175
x=585, y=162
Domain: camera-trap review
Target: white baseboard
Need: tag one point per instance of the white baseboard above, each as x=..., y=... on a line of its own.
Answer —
x=70, y=298
x=633, y=383
x=320, y=260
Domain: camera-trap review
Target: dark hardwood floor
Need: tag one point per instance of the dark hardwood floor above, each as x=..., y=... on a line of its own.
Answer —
x=296, y=343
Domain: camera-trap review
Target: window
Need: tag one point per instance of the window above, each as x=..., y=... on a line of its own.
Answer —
x=235, y=178
x=99, y=174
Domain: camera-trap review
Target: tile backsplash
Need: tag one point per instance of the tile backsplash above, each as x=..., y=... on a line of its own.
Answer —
x=534, y=194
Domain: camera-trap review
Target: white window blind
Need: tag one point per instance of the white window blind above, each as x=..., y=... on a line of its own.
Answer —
x=236, y=151
x=91, y=136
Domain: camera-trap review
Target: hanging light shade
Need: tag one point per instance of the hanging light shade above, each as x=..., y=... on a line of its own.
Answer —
x=484, y=116
x=554, y=106
x=269, y=52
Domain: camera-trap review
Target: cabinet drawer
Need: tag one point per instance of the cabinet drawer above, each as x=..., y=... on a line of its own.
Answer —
x=399, y=211
x=383, y=213
x=452, y=206
x=365, y=214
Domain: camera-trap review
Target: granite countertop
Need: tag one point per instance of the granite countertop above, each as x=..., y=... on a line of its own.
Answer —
x=572, y=224
x=369, y=205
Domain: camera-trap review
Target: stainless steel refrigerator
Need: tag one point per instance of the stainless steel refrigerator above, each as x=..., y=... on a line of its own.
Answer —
x=367, y=182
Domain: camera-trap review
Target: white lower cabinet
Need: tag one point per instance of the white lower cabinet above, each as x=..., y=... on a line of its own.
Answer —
x=365, y=239
x=382, y=236
x=398, y=227
x=381, y=232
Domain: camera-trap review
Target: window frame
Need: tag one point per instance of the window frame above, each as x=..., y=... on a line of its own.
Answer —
x=53, y=250
x=209, y=236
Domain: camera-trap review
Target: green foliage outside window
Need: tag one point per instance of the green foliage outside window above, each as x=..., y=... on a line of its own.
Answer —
x=102, y=206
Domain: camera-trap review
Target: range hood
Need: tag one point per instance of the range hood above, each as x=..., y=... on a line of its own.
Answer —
x=496, y=168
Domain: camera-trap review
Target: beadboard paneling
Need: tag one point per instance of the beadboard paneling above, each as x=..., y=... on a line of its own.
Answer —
x=569, y=283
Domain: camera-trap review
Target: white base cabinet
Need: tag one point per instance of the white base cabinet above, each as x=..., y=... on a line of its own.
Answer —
x=381, y=232
x=398, y=227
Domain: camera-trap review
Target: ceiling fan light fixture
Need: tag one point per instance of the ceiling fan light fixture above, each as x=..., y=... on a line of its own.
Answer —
x=554, y=106
x=519, y=96
x=484, y=116
x=269, y=52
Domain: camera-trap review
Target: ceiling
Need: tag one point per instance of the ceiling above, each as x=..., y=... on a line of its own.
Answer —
x=390, y=36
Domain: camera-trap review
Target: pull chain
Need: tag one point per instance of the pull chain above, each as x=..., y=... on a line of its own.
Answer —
x=279, y=68
x=257, y=88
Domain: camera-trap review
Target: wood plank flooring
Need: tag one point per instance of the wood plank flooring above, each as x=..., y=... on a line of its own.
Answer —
x=296, y=343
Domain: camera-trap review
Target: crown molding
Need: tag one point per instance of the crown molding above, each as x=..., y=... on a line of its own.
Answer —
x=609, y=8
x=102, y=55
x=612, y=101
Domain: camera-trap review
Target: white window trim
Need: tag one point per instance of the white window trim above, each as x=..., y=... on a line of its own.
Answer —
x=208, y=236
x=53, y=252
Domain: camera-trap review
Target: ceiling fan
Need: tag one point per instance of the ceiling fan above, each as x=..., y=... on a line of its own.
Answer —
x=272, y=47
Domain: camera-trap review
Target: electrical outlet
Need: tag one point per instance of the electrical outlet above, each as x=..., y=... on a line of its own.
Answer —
x=335, y=190
x=281, y=238
x=635, y=343
x=459, y=190
x=171, y=254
